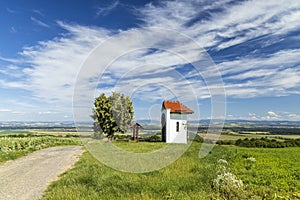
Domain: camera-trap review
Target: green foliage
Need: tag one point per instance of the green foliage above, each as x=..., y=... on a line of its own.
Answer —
x=266, y=143
x=112, y=114
x=122, y=136
x=271, y=130
x=15, y=147
x=267, y=172
x=154, y=138
x=198, y=138
x=226, y=142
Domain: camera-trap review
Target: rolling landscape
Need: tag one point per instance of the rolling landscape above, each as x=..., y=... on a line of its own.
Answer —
x=264, y=172
x=150, y=99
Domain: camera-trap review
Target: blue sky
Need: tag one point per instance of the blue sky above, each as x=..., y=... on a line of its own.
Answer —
x=254, y=46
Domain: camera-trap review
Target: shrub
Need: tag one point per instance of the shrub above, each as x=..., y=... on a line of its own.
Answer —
x=267, y=143
x=198, y=138
x=154, y=138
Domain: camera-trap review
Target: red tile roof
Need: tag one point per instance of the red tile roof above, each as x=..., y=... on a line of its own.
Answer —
x=177, y=107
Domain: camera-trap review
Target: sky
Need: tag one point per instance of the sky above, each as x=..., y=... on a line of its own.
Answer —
x=242, y=57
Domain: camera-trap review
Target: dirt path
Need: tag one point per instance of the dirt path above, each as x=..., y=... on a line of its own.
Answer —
x=29, y=176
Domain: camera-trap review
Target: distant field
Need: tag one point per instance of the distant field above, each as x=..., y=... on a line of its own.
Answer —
x=15, y=146
x=7, y=132
x=265, y=173
x=58, y=133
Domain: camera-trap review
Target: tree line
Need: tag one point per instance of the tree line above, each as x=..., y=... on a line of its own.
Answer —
x=261, y=143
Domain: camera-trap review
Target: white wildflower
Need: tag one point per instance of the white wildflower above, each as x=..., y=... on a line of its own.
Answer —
x=222, y=161
x=251, y=159
x=228, y=179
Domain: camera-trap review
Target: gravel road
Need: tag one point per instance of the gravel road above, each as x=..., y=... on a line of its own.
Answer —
x=27, y=177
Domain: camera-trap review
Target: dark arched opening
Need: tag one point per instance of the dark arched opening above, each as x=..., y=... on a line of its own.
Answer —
x=163, y=127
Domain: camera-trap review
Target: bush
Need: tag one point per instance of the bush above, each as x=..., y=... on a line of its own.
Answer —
x=154, y=138
x=226, y=142
x=122, y=136
x=266, y=143
x=198, y=138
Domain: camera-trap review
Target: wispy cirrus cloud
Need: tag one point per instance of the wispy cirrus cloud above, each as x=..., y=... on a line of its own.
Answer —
x=39, y=22
x=13, y=30
x=4, y=110
x=105, y=10
x=39, y=12
x=218, y=26
x=224, y=23
x=276, y=75
x=12, y=11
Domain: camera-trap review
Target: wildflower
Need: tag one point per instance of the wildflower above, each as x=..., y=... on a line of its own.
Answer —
x=251, y=159
x=222, y=161
x=228, y=179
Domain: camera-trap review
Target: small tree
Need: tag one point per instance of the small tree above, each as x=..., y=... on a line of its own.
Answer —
x=112, y=114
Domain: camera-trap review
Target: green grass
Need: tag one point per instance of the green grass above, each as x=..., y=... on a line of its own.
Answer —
x=140, y=147
x=92, y=180
x=275, y=172
x=14, y=147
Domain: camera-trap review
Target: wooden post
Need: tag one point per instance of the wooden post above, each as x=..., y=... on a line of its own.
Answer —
x=136, y=128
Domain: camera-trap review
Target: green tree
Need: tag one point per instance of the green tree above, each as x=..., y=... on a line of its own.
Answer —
x=112, y=114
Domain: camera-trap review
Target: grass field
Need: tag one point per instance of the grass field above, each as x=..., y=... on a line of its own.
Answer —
x=265, y=173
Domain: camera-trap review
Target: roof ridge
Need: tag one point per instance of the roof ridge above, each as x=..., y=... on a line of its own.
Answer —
x=176, y=107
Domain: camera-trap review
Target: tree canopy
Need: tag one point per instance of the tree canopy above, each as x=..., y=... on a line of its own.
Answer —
x=112, y=114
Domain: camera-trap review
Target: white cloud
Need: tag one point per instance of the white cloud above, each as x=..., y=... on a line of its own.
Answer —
x=4, y=110
x=11, y=11
x=236, y=22
x=13, y=84
x=106, y=10
x=18, y=112
x=293, y=116
x=13, y=30
x=276, y=75
x=10, y=60
x=47, y=113
x=12, y=71
x=252, y=116
x=272, y=114
x=39, y=22
x=38, y=12
x=54, y=65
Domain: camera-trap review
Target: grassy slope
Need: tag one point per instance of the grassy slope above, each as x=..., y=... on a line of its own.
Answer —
x=187, y=178
x=92, y=180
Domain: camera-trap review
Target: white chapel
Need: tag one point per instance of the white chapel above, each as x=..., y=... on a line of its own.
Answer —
x=174, y=122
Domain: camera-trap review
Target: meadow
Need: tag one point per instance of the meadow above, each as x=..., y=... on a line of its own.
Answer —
x=228, y=172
